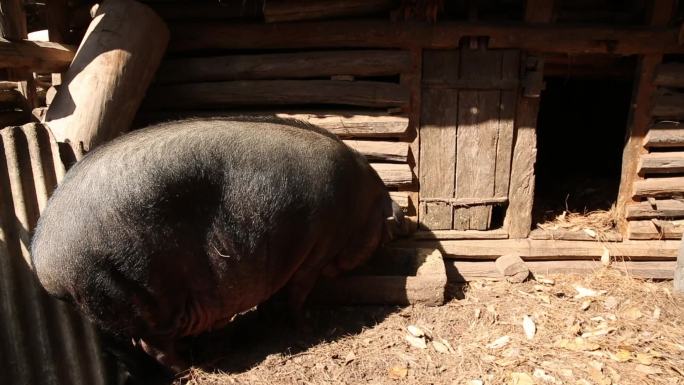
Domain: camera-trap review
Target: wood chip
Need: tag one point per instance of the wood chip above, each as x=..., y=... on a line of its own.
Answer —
x=520, y=379
x=415, y=331
x=398, y=372
x=440, y=347
x=529, y=327
x=541, y=374
x=416, y=342
x=586, y=292
x=499, y=342
x=605, y=257
x=585, y=305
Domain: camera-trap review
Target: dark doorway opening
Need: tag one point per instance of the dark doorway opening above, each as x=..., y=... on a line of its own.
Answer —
x=580, y=138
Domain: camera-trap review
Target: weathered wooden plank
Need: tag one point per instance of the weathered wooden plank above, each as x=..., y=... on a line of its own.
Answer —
x=284, y=66
x=504, y=143
x=669, y=75
x=401, y=198
x=460, y=234
x=478, y=123
x=343, y=123
x=665, y=135
x=655, y=229
x=566, y=235
x=668, y=208
x=668, y=105
x=38, y=56
x=277, y=92
x=467, y=201
x=12, y=20
x=661, y=163
x=466, y=271
x=489, y=249
x=637, y=126
x=659, y=187
x=394, y=174
x=437, y=154
x=564, y=39
x=441, y=66
x=382, y=151
x=279, y=11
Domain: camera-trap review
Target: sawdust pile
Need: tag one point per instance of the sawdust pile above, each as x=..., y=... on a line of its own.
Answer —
x=601, y=329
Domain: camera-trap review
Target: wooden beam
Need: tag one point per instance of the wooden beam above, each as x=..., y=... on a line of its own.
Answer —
x=214, y=10
x=293, y=10
x=276, y=92
x=667, y=208
x=284, y=66
x=38, y=56
x=567, y=235
x=565, y=39
x=668, y=105
x=394, y=174
x=655, y=229
x=661, y=163
x=401, y=198
x=466, y=271
x=460, y=234
x=670, y=75
x=659, y=187
x=532, y=249
x=638, y=124
x=381, y=151
x=664, y=135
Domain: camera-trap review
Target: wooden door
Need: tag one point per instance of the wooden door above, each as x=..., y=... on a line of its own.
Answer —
x=467, y=124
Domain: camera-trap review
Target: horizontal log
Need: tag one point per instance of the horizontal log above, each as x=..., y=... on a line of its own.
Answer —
x=466, y=271
x=548, y=249
x=461, y=234
x=38, y=56
x=343, y=123
x=382, y=151
x=655, y=229
x=668, y=105
x=277, y=92
x=284, y=66
x=661, y=163
x=567, y=235
x=670, y=75
x=665, y=135
x=401, y=198
x=279, y=11
x=659, y=187
x=464, y=202
x=394, y=174
x=667, y=208
x=564, y=39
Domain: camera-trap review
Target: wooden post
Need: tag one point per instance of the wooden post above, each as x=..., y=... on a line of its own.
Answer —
x=108, y=78
x=640, y=114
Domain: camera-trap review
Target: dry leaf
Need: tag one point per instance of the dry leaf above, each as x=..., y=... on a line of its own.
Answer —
x=475, y=382
x=585, y=305
x=416, y=342
x=499, y=342
x=644, y=358
x=529, y=327
x=585, y=292
x=540, y=288
x=590, y=232
x=610, y=303
x=540, y=374
x=440, y=347
x=598, y=377
x=520, y=379
x=349, y=358
x=546, y=281
x=578, y=344
x=478, y=311
x=508, y=361
x=602, y=331
x=605, y=257
x=415, y=331
x=633, y=313
x=656, y=313
x=648, y=369
x=544, y=298
x=398, y=372
x=621, y=355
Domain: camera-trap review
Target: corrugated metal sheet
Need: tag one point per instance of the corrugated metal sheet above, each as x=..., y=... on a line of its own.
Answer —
x=42, y=340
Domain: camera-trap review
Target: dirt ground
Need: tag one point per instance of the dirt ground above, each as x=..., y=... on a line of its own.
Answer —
x=600, y=329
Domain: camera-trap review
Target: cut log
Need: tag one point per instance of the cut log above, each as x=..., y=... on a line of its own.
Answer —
x=279, y=11
x=669, y=105
x=512, y=267
x=109, y=76
x=466, y=271
x=544, y=249
x=567, y=235
x=670, y=75
x=655, y=229
x=284, y=66
x=668, y=208
x=382, y=151
x=401, y=198
x=276, y=92
x=394, y=174
x=38, y=56
x=343, y=123
x=564, y=39
x=460, y=234
x=659, y=187
x=665, y=135
x=661, y=163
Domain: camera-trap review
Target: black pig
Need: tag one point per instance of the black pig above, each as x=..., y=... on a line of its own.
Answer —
x=172, y=230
